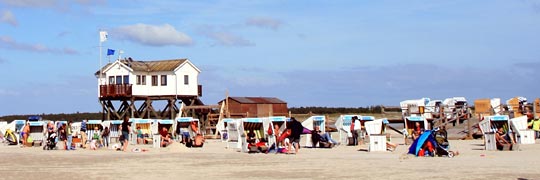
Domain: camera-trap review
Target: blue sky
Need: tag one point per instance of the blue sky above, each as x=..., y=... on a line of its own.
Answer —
x=308, y=53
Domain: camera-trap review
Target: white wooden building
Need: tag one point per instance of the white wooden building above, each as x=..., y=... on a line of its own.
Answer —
x=129, y=81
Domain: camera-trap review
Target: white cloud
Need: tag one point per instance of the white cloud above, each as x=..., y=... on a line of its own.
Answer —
x=58, y=5
x=4, y=92
x=30, y=3
x=264, y=22
x=8, y=17
x=223, y=37
x=7, y=42
x=153, y=35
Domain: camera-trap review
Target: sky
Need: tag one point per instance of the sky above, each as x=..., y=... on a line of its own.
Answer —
x=343, y=53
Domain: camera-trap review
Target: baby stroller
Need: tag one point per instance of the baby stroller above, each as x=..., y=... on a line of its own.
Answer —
x=51, y=142
x=431, y=143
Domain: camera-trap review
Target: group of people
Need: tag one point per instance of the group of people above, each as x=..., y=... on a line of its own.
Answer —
x=287, y=141
x=65, y=133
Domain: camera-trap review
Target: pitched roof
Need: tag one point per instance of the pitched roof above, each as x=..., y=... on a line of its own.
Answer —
x=258, y=100
x=149, y=66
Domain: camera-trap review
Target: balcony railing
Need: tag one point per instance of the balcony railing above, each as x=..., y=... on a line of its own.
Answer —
x=115, y=90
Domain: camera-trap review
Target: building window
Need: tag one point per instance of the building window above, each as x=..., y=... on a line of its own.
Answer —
x=163, y=80
x=118, y=79
x=126, y=79
x=138, y=79
x=111, y=79
x=186, y=79
x=154, y=80
x=143, y=79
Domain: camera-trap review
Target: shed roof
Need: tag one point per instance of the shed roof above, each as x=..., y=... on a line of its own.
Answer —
x=257, y=100
x=149, y=66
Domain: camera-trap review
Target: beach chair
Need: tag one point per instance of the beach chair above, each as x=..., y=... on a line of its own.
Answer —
x=524, y=135
x=488, y=133
x=377, y=140
x=310, y=124
x=343, y=124
x=37, y=132
x=233, y=132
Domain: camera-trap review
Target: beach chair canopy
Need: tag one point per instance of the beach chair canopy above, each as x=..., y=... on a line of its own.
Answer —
x=499, y=118
x=140, y=121
x=185, y=119
x=374, y=127
x=416, y=118
x=520, y=123
x=366, y=118
x=165, y=121
x=94, y=122
x=36, y=123
x=253, y=120
x=34, y=118
x=116, y=122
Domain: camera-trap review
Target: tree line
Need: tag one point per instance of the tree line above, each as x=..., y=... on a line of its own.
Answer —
x=76, y=117
x=342, y=110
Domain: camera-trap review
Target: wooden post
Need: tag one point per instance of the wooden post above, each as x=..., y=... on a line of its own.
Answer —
x=469, y=129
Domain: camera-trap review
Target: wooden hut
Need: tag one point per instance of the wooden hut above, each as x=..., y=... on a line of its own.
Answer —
x=243, y=107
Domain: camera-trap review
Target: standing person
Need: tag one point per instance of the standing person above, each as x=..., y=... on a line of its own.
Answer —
x=358, y=131
x=25, y=133
x=140, y=135
x=296, y=130
x=69, y=135
x=83, y=134
x=105, y=137
x=62, y=134
x=353, y=131
x=277, y=133
x=126, y=128
x=535, y=125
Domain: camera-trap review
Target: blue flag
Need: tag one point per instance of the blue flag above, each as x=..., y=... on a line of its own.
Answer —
x=110, y=52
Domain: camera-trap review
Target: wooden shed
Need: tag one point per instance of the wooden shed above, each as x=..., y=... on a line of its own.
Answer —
x=240, y=107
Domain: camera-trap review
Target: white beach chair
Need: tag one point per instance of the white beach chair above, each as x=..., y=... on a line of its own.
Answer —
x=524, y=135
x=489, y=135
x=377, y=140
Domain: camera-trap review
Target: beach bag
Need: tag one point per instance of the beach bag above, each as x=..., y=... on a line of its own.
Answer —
x=351, y=141
x=189, y=143
x=270, y=132
x=325, y=144
x=252, y=148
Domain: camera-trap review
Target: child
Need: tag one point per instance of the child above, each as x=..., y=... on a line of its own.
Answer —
x=95, y=138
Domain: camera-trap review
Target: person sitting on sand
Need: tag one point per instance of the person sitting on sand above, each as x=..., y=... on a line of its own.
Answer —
x=501, y=139
x=95, y=138
x=389, y=145
x=165, y=137
x=319, y=136
x=251, y=137
x=417, y=131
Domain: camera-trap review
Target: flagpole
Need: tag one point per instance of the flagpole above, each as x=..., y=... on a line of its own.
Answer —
x=100, y=65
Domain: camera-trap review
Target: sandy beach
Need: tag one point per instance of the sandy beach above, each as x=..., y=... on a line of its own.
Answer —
x=214, y=161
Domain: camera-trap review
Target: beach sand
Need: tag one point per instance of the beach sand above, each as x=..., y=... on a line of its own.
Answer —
x=214, y=161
